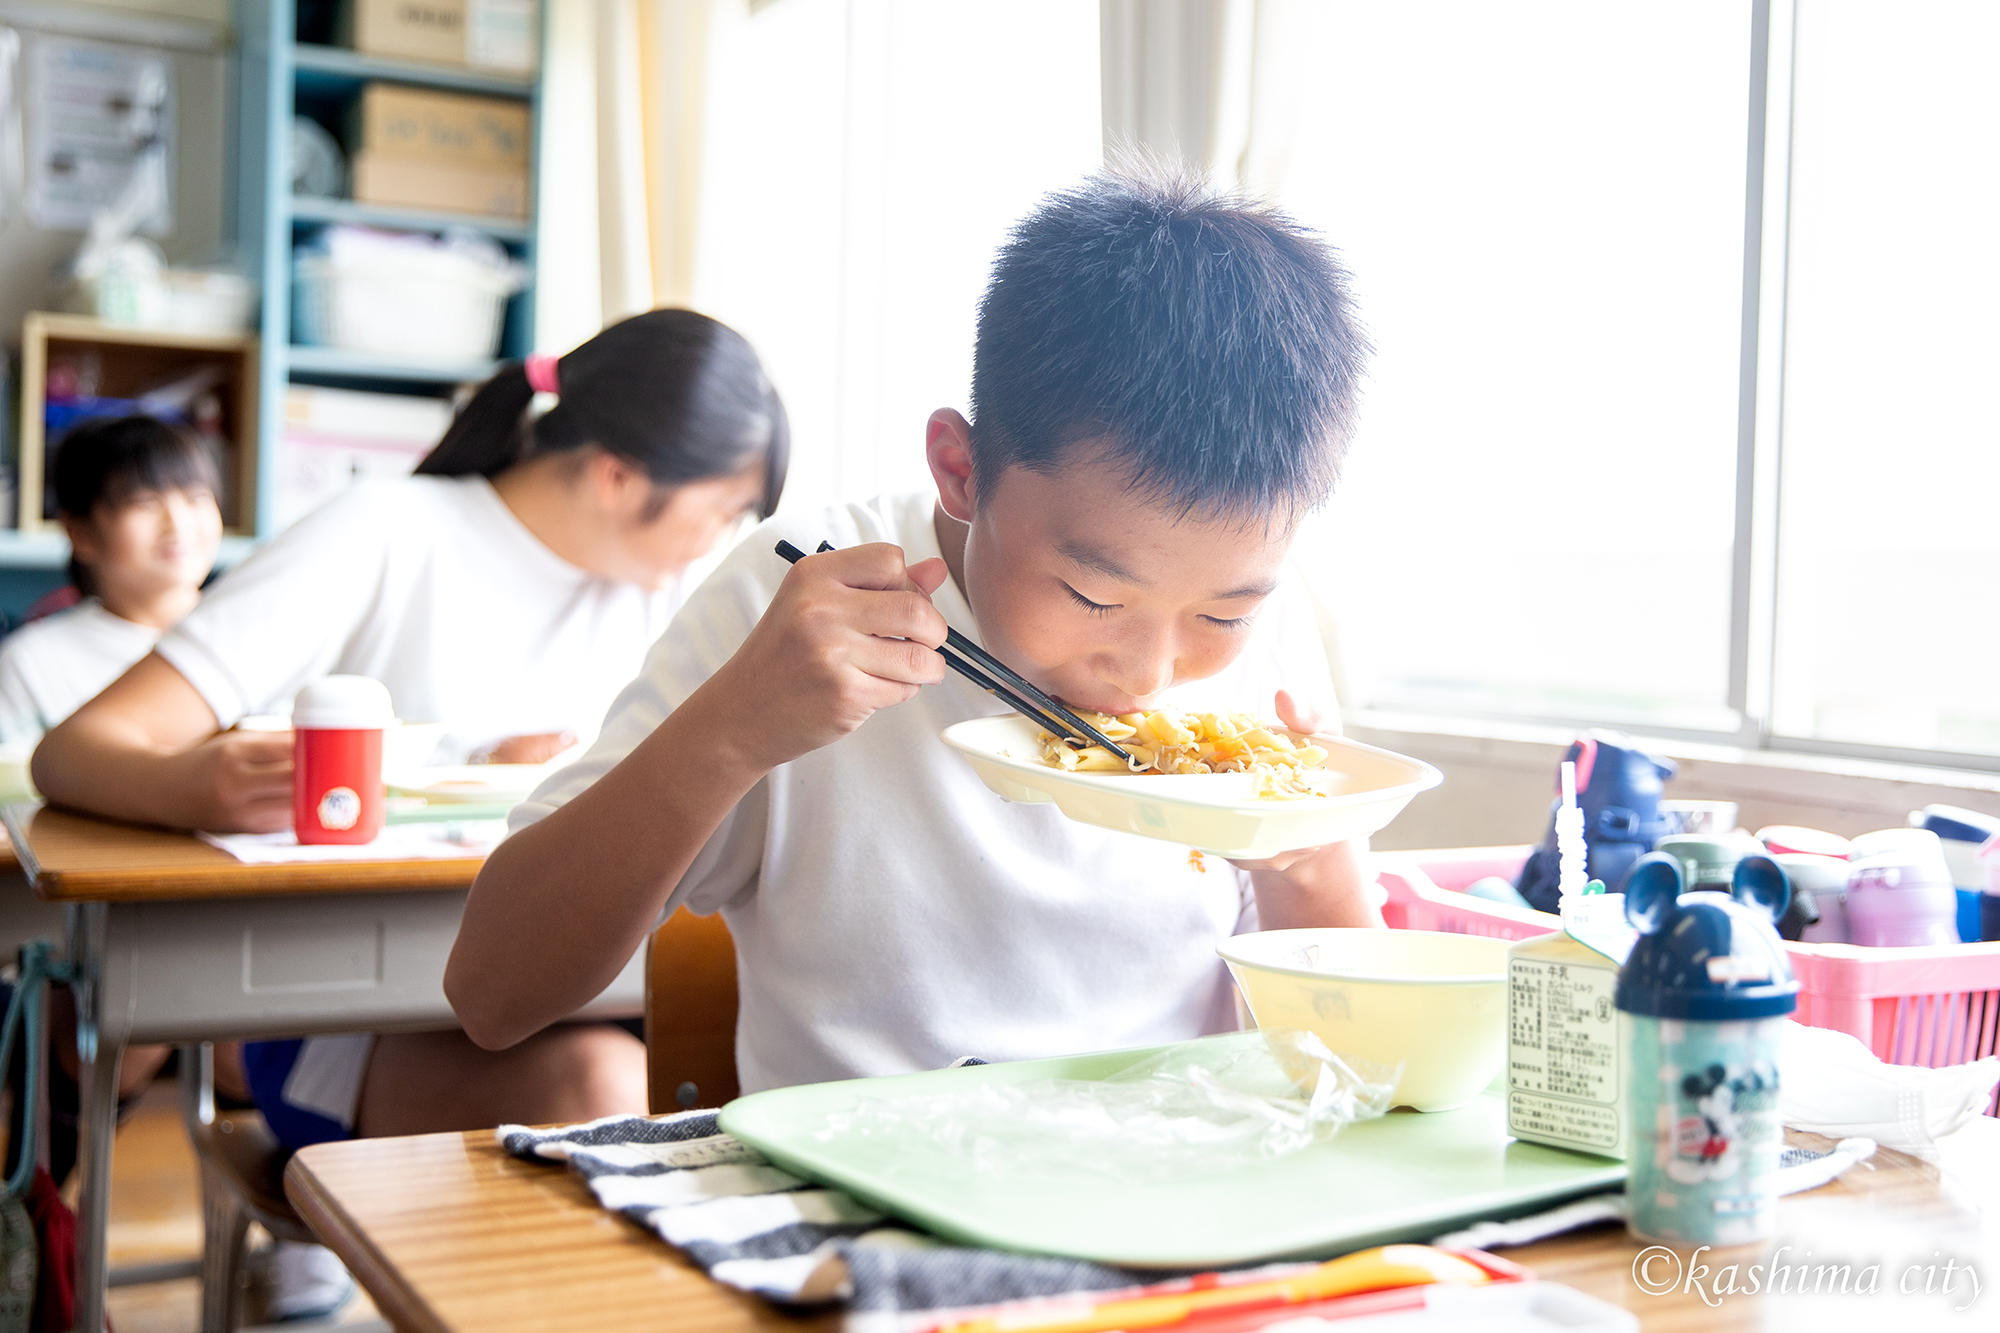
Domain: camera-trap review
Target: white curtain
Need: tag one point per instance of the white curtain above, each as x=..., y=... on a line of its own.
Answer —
x=622, y=125
x=865, y=159
x=1212, y=83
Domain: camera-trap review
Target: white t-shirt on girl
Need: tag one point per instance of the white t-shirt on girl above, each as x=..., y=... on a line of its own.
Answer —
x=892, y=914
x=51, y=667
x=431, y=586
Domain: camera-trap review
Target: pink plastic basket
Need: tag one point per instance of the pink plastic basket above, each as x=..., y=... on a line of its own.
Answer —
x=1424, y=893
x=1934, y=1005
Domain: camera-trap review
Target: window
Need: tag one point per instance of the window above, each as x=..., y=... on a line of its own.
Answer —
x=1889, y=528
x=1545, y=206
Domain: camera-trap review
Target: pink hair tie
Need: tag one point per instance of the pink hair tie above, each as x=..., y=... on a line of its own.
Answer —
x=541, y=372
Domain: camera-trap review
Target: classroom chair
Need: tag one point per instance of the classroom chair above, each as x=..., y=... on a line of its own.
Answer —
x=242, y=1181
x=690, y=1062
x=690, y=1014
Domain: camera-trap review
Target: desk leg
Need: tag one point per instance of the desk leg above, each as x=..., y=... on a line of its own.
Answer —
x=97, y=1116
x=99, y=1122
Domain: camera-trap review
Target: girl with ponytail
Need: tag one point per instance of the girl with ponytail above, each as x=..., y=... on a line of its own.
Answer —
x=674, y=393
x=508, y=591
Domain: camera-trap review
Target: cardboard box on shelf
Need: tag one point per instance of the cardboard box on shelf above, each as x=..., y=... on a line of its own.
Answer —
x=415, y=182
x=497, y=35
x=431, y=30
x=390, y=119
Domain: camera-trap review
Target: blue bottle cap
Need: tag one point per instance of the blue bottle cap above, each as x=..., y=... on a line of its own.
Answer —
x=1706, y=956
x=1957, y=824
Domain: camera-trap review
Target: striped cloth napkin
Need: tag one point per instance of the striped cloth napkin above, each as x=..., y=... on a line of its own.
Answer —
x=752, y=1226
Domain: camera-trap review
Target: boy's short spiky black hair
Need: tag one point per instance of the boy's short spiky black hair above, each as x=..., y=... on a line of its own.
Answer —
x=1209, y=342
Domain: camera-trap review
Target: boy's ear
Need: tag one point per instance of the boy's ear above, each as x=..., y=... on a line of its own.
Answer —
x=948, y=449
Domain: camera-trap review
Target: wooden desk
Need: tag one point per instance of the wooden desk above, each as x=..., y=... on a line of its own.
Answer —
x=447, y=1232
x=176, y=941
x=23, y=916
x=74, y=858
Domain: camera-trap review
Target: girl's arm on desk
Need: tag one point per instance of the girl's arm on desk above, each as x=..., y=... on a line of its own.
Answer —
x=563, y=903
x=147, y=750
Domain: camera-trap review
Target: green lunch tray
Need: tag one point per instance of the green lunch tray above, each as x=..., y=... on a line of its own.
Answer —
x=1405, y=1176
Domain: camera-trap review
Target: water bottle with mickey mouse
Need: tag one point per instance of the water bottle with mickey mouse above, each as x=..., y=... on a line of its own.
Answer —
x=1707, y=985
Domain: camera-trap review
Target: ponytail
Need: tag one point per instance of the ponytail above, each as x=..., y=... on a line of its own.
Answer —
x=488, y=435
x=678, y=395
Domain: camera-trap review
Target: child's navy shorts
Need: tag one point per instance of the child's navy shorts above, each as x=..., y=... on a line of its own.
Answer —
x=309, y=1089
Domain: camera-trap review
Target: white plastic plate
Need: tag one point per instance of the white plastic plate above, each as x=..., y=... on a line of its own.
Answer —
x=1364, y=788
x=474, y=784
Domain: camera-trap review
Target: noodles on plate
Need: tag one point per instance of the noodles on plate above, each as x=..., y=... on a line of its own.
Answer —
x=1171, y=742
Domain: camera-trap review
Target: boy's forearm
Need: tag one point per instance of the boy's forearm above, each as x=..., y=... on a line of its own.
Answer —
x=1328, y=887
x=560, y=906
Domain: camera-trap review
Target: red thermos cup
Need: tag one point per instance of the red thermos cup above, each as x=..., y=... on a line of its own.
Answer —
x=337, y=725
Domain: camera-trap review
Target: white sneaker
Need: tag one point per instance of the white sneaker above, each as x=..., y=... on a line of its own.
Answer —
x=307, y=1282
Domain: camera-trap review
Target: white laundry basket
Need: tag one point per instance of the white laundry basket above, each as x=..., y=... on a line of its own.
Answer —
x=424, y=302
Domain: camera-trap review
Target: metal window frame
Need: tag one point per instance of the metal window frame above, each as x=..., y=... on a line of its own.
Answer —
x=1760, y=391
x=1754, y=590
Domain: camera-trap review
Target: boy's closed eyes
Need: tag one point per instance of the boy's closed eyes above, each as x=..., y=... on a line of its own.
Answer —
x=1100, y=596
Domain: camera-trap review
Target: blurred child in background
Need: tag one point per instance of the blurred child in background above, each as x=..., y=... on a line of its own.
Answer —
x=137, y=498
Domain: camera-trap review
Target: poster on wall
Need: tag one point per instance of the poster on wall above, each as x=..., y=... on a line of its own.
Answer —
x=100, y=133
x=10, y=119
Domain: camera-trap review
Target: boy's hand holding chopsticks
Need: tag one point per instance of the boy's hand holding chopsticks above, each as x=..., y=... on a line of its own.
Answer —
x=850, y=632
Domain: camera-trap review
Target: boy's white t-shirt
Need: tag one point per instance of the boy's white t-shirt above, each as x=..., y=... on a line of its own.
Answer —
x=431, y=586
x=51, y=667
x=890, y=913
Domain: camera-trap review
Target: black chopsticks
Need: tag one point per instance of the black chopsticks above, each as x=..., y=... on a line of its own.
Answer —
x=989, y=673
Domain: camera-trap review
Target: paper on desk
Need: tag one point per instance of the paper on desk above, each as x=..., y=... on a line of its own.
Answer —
x=397, y=842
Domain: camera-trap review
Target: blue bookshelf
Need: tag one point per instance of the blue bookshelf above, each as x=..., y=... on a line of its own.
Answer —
x=276, y=76
x=317, y=66
x=279, y=76
x=306, y=208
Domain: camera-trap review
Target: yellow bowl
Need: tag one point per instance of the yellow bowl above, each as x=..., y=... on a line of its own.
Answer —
x=1433, y=1002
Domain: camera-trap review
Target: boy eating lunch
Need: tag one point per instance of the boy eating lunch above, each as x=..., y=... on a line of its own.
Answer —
x=1163, y=382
